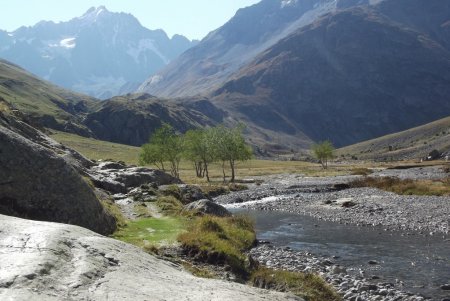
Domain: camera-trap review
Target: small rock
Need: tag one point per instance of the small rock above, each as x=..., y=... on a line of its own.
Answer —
x=445, y=287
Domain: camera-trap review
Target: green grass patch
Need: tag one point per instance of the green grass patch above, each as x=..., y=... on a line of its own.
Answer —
x=311, y=287
x=220, y=241
x=151, y=231
x=407, y=186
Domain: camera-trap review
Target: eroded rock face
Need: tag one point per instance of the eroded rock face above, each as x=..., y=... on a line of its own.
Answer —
x=49, y=261
x=40, y=180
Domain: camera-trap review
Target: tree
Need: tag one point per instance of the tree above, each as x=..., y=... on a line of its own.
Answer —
x=230, y=146
x=164, y=146
x=199, y=148
x=323, y=151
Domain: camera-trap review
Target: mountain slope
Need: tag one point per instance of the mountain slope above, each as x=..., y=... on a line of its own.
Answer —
x=413, y=143
x=100, y=53
x=43, y=103
x=252, y=30
x=350, y=76
x=131, y=119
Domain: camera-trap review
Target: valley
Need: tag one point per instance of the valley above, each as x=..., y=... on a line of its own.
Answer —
x=300, y=151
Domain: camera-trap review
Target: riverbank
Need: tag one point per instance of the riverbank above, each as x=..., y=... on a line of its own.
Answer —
x=331, y=199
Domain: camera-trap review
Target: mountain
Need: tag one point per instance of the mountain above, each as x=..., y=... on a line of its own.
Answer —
x=132, y=118
x=100, y=53
x=350, y=76
x=252, y=30
x=413, y=143
x=128, y=119
x=43, y=103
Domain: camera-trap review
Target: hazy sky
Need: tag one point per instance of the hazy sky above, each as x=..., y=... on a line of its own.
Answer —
x=191, y=18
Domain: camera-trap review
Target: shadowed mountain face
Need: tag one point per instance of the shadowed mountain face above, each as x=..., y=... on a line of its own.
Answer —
x=297, y=71
x=252, y=30
x=350, y=76
x=100, y=53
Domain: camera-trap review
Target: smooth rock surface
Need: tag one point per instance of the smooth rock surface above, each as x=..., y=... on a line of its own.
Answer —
x=40, y=179
x=49, y=261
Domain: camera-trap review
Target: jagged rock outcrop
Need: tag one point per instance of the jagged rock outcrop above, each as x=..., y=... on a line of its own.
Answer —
x=40, y=179
x=48, y=261
x=116, y=177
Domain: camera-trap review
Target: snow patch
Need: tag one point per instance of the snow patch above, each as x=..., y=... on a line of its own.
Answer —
x=68, y=43
x=156, y=79
x=286, y=3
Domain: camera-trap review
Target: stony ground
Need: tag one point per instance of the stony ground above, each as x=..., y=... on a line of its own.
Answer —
x=322, y=198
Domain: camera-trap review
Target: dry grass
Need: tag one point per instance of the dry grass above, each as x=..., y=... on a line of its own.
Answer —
x=309, y=286
x=406, y=187
x=97, y=149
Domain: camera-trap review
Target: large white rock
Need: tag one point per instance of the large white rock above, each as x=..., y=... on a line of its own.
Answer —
x=50, y=261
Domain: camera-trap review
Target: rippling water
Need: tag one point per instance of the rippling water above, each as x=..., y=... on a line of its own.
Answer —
x=422, y=263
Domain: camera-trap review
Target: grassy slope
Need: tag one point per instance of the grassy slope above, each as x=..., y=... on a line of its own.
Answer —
x=98, y=149
x=413, y=143
x=36, y=97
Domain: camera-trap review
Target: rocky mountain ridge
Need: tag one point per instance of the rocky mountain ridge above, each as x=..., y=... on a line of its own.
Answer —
x=101, y=53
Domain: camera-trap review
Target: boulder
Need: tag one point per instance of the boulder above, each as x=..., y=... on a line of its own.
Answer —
x=118, y=178
x=207, y=207
x=49, y=261
x=40, y=180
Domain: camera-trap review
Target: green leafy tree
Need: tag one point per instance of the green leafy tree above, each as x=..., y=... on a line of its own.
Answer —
x=199, y=148
x=164, y=146
x=323, y=151
x=230, y=146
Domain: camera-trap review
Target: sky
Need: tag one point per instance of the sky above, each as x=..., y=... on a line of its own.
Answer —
x=191, y=18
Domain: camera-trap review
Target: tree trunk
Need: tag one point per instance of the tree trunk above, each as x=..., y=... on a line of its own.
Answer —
x=223, y=170
x=205, y=171
x=232, y=170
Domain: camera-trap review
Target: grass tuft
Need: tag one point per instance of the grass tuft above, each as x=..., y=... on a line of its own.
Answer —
x=114, y=211
x=219, y=240
x=309, y=286
x=169, y=205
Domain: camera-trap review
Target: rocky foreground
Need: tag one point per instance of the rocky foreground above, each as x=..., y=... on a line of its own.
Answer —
x=49, y=261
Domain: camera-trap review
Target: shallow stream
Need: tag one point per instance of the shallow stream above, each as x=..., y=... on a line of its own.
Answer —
x=422, y=263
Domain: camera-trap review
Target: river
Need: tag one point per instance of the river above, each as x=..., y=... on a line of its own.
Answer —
x=421, y=262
